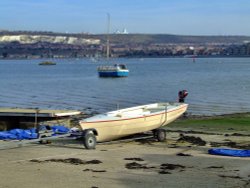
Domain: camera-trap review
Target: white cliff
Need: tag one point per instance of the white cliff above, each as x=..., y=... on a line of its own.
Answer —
x=31, y=39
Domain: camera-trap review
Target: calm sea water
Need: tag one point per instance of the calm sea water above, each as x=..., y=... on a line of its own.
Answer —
x=216, y=86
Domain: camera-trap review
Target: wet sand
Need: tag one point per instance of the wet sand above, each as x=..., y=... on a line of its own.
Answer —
x=177, y=162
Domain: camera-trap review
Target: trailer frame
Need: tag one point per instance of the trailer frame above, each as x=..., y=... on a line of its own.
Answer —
x=88, y=137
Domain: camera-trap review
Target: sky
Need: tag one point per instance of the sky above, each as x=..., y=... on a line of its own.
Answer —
x=181, y=17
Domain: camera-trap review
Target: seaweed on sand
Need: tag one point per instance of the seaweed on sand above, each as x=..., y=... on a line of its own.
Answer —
x=74, y=161
x=134, y=159
x=183, y=154
x=135, y=165
x=192, y=139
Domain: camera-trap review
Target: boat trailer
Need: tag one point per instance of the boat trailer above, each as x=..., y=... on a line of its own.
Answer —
x=88, y=138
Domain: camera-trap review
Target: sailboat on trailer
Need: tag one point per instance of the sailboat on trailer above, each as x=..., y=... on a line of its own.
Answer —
x=120, y=123
x=128, y=121
x=116, y=70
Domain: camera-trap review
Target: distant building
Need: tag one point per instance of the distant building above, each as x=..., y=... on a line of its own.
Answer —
x=238, y=50
x=243, y=50
x=248, y=48
x=124, y=31
x=117, y=31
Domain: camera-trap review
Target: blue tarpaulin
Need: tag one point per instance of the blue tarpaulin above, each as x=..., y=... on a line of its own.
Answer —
x=60, y=128
x=20, y=134
x=229, y=152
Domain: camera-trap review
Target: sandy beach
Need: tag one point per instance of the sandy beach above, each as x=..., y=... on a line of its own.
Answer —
x=141, y=94
x=181, y=161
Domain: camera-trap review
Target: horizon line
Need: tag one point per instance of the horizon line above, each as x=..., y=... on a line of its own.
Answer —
x=88, y=33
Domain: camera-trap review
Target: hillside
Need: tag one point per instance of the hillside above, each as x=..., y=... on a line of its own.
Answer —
x=173, y=39
x=27, y=44
x=137, y=38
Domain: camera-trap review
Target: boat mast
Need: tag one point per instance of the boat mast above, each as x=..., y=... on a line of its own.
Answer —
x=107, y=55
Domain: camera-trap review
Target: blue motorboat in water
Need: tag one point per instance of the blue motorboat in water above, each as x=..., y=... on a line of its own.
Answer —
x=117, y=70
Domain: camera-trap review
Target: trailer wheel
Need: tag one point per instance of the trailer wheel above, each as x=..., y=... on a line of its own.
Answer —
x=160, y=135
x=89, y=140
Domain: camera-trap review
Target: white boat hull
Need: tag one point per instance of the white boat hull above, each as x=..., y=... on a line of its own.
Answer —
x=121, y=123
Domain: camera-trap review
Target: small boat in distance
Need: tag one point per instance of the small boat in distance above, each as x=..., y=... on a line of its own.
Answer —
x=117, y=70
x=120, y=123
x=47, y=63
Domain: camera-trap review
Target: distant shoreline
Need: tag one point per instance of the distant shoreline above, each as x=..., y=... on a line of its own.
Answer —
x=25, y=44
x=127, y=57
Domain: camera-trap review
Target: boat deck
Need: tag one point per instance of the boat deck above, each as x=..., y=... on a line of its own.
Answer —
x=13, y=117
x=18, y=112
x=133, y=112
x=162, y=107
